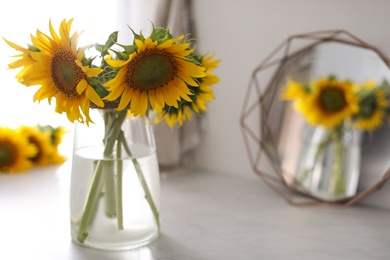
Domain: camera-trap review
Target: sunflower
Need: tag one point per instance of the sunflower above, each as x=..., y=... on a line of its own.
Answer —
x=57, y=158
x=54, y=134
x=372, y=105
x=42, y=142
x=202, y=95
x=25, y=61
x=15, y=151
x=156, y=74
x=330, y=102
x=175, y=115
x=206, y=93
x=296, y=92
x=58, y=68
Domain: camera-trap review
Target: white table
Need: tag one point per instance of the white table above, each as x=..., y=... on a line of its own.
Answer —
x=203, y=216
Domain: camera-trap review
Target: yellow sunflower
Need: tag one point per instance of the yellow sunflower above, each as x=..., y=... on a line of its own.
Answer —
x=372, y=105
x=55, y=135
x=25, y=61
x=15, y=151
x=202, y=95
x=42, y=142
x=57, y=158
x=295, y=92
x=59, y=70
x=174, y=115
x=157, y=74
x=206, y=93
x=330, y=102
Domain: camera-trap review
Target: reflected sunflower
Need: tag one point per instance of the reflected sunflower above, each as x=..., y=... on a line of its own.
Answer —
x=330, y=102
x=41, y=140
x=297, y=92
x=58, y=68
x=15, y=151
x=373, y=102
x=156, y=74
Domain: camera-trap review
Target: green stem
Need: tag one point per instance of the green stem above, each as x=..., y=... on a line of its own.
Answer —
x=119, y=179
x=141, y=177
x=112, y=130
x=110, y=200
x=104, y=171
x=113, y=133
x=319, y=149
x=338, y=183
x=148, y=195
x=91, y=203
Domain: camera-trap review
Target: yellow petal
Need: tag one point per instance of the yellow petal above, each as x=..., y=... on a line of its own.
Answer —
x=125, y=99
x=134, y=107
x=169, y=98
x=83, y=84
x=116, y=93
x=115, y=63
x=190, y=81
x=94, y=97
x=159, y=98
x=91, y=72
x=143, y=103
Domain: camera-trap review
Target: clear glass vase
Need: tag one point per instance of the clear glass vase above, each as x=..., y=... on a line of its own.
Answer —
x=115, y=182
x=329, y=165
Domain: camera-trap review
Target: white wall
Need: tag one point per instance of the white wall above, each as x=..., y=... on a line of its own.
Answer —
x=243, y=33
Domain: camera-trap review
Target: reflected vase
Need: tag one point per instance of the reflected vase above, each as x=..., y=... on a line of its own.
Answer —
x=115, y=185
x=329, y=164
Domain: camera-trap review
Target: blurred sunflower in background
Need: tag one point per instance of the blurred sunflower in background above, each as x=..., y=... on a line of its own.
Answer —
x=15, y=151
x=27, y=146
x=41, y=140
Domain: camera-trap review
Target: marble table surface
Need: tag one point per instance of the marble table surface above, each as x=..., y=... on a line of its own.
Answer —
x=203, y=216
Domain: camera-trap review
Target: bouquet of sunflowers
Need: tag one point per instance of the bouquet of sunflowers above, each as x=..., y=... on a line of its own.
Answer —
x=337, y=108
x=157, y=75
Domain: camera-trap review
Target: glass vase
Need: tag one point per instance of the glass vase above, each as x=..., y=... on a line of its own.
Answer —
x=115, y=185
x=329, y=165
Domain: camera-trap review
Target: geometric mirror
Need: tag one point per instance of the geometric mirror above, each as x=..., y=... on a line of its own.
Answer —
x=271, y=128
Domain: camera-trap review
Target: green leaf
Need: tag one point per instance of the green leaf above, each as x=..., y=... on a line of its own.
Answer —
x=137, y=36
x=129, y=49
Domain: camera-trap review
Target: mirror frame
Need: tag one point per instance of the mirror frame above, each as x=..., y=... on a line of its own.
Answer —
x=254, y=106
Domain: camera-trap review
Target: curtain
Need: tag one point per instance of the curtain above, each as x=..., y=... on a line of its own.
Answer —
x=174, y=145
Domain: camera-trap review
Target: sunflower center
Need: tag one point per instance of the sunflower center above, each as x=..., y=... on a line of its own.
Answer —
x=368, y=107
x=65, y=73
x=332, y=100
x=37, y=144
x=7, y=154
x=151, y=69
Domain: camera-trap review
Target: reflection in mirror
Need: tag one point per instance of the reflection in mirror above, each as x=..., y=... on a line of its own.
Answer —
x=364, y=156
